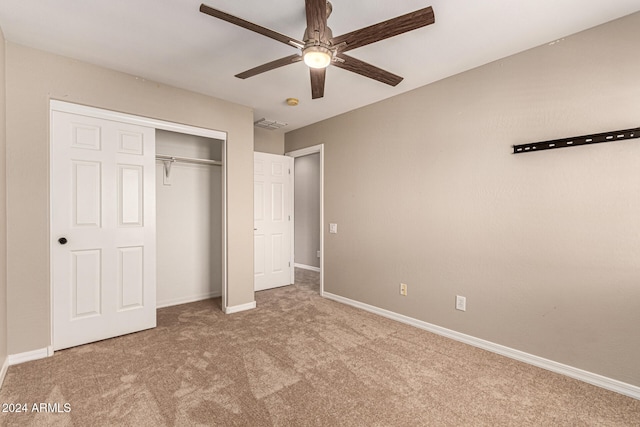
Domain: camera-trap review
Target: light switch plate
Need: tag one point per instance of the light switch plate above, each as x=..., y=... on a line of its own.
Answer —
x=333, y=228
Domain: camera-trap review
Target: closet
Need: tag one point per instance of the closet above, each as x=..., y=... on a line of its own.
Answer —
x=189, y=222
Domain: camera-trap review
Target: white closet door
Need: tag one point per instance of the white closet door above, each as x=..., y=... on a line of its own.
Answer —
x=103, y=226
x=272, y=220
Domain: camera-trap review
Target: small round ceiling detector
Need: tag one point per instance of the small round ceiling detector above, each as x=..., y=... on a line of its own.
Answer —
x=292, y=102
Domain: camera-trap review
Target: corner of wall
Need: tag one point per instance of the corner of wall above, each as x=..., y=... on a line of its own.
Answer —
x=3, y=218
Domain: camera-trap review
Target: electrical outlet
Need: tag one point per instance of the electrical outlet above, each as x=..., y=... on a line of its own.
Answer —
x=461, y=303
x=403, y=289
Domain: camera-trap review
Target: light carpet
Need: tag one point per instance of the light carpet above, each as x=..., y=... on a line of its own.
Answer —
x=297, y=360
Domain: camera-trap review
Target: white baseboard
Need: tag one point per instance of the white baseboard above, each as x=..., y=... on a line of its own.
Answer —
x=3, y=370
x=14, y=359
x=241, y=307
x=307, y=267
x=185, y=300
x=28, y=356
x=550, y=365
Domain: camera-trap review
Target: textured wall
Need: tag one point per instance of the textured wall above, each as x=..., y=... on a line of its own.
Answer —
x=33, y=78
x=545, y=246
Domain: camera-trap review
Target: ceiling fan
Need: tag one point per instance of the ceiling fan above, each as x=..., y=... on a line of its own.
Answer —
x=320, y=48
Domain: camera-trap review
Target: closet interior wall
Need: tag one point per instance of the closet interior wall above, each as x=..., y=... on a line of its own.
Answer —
x=188, y=220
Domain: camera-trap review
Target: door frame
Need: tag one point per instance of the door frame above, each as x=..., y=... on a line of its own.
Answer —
x=67, y=107
x=300, y=153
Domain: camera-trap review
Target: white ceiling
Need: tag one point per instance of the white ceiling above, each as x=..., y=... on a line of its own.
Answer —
x=170, y=41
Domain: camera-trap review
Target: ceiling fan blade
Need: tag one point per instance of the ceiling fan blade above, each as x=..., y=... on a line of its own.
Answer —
x=364, y=69
x=316, y=17
x=251, y=26
x=317, y=82
x=384, y=30
x=270, y=66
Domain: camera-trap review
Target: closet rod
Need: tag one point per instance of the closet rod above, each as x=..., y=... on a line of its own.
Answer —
x=188, y=160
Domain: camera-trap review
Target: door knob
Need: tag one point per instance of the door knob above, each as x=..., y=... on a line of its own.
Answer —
x=62, y=240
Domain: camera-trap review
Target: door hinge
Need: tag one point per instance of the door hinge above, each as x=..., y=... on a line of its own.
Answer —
x=289, y=217
x=289, y=263
x=289, y=171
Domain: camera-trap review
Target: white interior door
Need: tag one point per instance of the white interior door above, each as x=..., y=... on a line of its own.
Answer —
x=103, y=226
x=272, y=220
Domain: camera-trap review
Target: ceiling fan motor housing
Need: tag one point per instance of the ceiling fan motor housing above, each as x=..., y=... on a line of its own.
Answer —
x=318, y=52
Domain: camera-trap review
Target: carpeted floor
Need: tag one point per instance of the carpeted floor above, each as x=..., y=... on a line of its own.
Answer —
x=297, y=360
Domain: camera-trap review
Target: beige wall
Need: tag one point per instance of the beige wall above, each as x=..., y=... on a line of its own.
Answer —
x=268, y=141
x=3, y=210
x=545, y=246
x=33, y=78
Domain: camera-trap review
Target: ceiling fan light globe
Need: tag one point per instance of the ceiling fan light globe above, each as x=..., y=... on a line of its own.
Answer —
x=317, y=57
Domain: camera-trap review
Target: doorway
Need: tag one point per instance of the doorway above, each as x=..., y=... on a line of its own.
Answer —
x=309, y=210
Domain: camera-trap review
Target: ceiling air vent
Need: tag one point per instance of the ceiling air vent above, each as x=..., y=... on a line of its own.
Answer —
x=269, y=124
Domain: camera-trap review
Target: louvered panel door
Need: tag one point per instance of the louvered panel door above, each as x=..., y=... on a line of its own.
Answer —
x=272, y=220
x=103, y=229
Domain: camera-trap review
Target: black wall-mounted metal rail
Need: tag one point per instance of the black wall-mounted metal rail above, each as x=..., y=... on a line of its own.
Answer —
x=578, y=140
